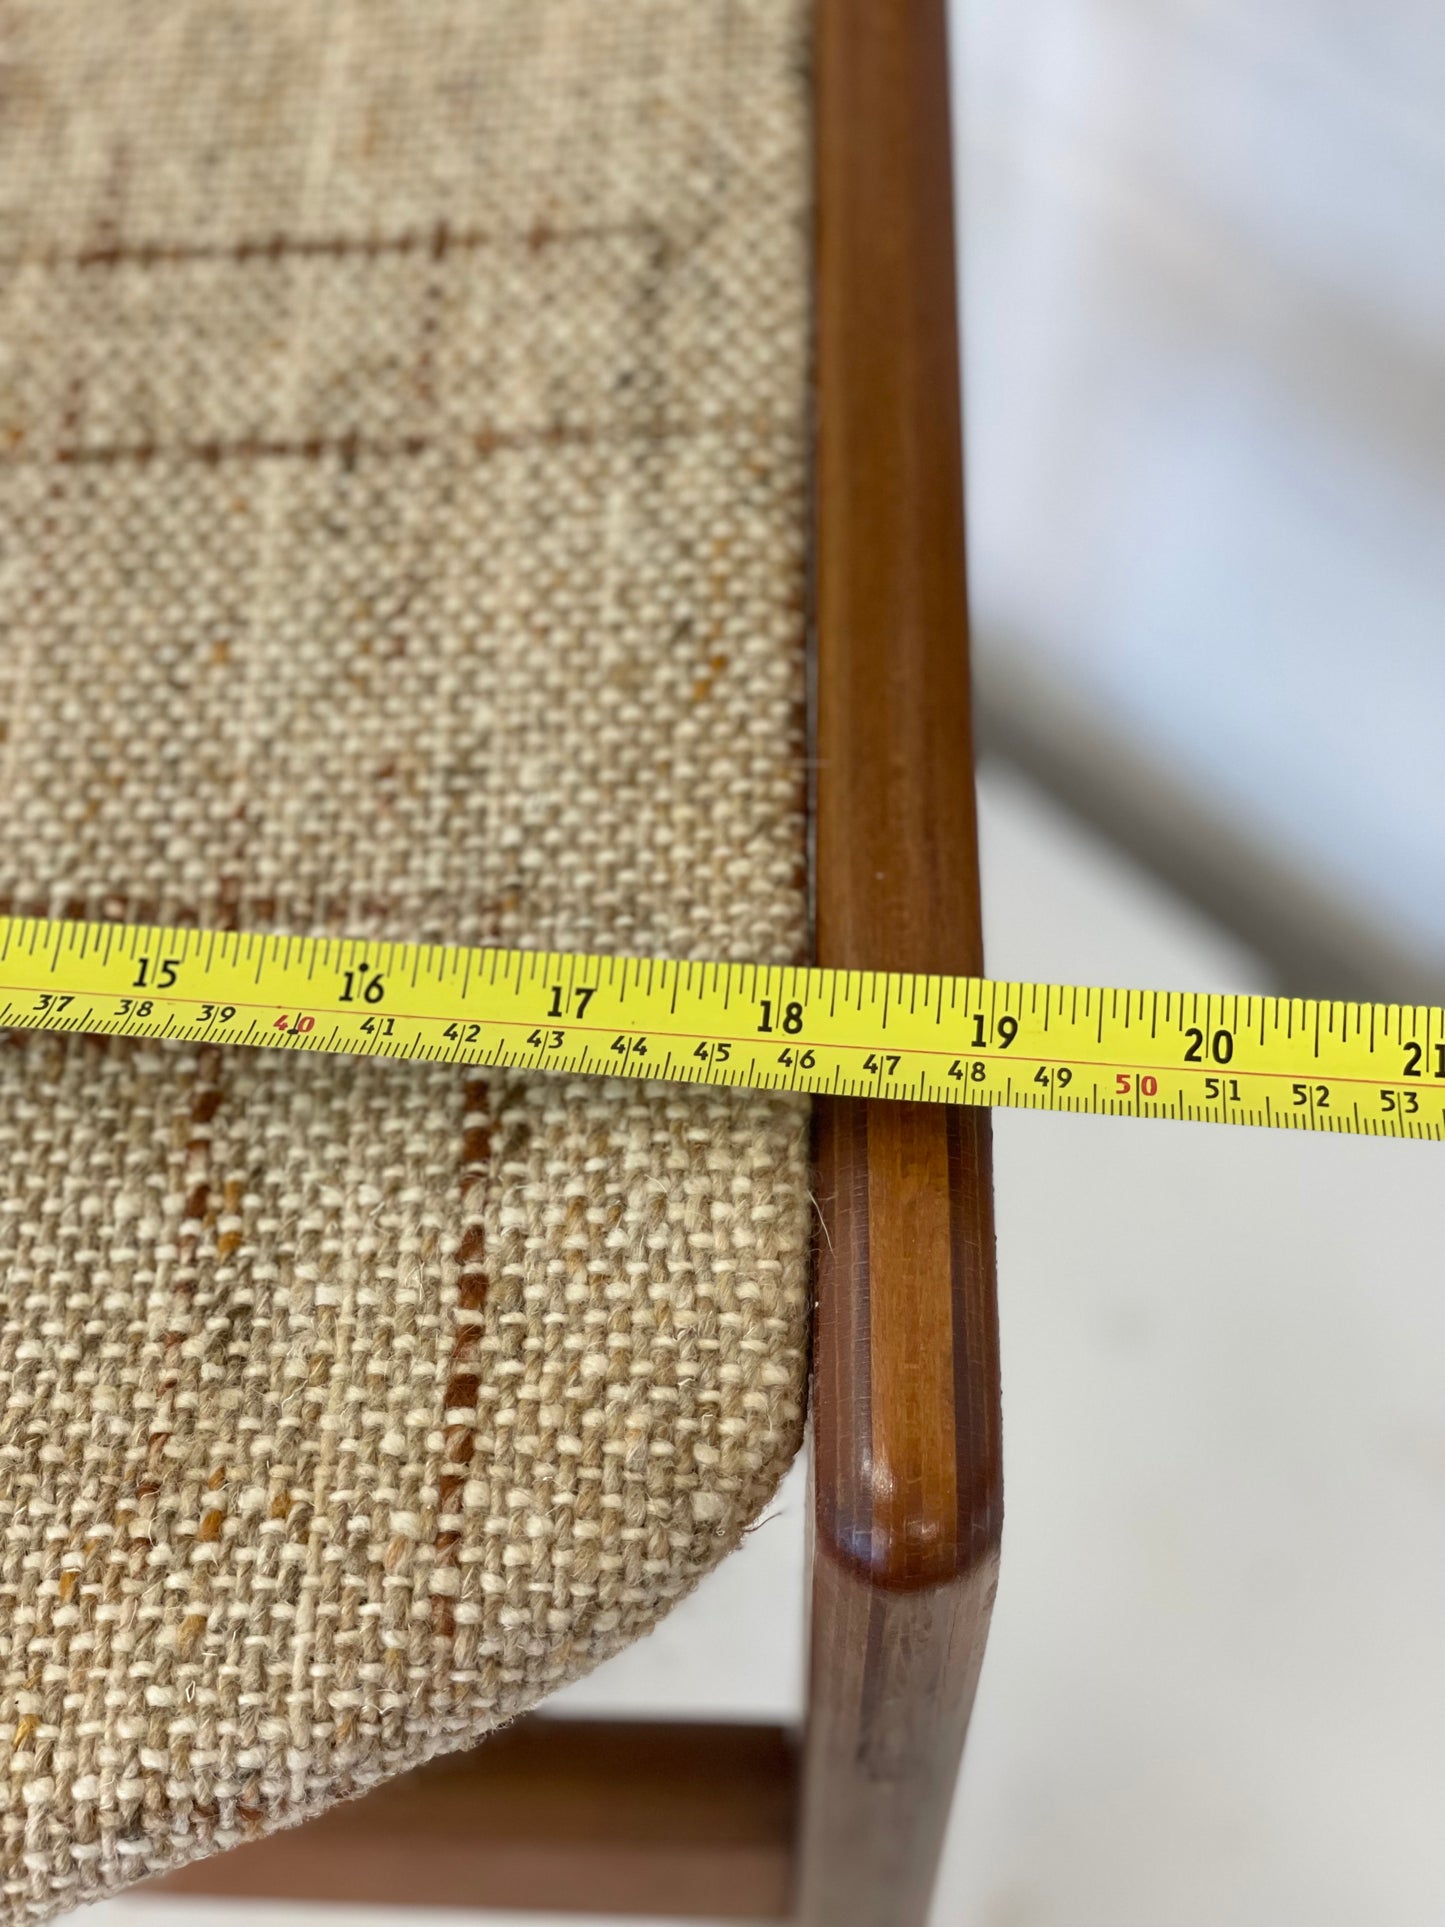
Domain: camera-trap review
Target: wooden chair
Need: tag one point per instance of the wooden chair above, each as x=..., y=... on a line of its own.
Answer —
x=844, y=1826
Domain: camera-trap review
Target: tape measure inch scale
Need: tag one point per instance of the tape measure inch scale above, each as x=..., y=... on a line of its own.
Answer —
x=1377, y=1069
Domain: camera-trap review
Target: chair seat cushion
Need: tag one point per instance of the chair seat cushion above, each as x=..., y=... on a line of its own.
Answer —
x=402, y=534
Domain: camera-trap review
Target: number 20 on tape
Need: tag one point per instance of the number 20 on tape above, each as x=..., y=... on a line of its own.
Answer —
x=1371, y=1068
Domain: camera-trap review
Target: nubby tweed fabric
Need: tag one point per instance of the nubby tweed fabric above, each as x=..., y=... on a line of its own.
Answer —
x=402, y=528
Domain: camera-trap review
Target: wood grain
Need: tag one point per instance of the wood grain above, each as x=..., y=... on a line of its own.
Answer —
x=908, y=1494
x=577, y=1816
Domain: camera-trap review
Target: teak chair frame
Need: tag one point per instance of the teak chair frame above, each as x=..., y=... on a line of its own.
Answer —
x=844, y=1829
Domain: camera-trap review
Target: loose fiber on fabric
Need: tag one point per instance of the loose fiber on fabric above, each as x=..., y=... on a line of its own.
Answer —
x=402, y=518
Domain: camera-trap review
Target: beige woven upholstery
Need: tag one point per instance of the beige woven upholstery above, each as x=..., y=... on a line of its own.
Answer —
x=401, y=534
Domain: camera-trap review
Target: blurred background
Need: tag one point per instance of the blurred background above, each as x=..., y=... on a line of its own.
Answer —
x=1204, y=326
x=1204, y=300
x=1204, y=295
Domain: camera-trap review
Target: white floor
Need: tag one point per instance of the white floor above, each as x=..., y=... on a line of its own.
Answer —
x=1215, y=1691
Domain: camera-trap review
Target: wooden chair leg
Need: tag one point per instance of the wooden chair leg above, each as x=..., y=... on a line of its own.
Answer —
x=907, y=1503
x=908, y=1495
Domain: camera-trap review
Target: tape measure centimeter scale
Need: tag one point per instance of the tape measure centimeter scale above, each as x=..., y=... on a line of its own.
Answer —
x=1376, y=1069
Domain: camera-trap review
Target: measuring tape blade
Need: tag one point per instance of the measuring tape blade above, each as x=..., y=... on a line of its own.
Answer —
x=1377, y=1069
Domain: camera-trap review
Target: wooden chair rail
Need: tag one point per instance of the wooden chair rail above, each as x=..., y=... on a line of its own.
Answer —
x=569, y=1815
x=908, y=1493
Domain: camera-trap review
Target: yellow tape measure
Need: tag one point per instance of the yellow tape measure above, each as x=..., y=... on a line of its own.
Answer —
x=1372, y=1068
